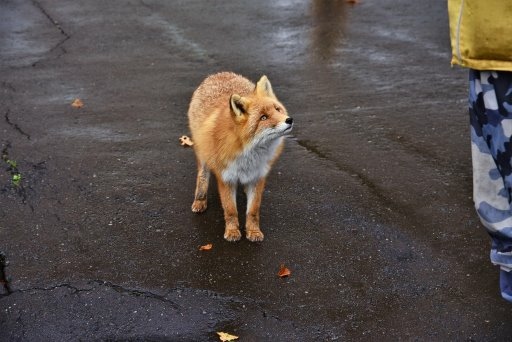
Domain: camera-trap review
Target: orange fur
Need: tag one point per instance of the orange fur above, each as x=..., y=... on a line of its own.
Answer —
x=237, y=128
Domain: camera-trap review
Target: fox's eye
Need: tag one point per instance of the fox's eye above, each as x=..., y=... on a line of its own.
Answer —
x=277, y=108
x=263, y=117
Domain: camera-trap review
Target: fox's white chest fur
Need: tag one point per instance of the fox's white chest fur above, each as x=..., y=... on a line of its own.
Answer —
x=253, y=163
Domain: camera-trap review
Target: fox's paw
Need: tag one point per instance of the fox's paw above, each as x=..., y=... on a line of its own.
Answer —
x=232, y=234
x=254, y=235
x=199, y=206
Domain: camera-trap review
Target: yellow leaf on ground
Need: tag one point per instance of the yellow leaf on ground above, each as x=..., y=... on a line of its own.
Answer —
x=226, y=337
x=283, y=271
x=77, y=103
x=186, y=141
x=206, y=247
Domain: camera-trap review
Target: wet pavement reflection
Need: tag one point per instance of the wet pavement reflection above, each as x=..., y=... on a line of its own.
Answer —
x=329, y=19
x=369, y=206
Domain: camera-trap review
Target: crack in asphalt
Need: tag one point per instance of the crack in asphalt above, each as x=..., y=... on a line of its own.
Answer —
x=58, y=26
x=15, y=126
x=51, y=288
x=388, y=205
x=136, y=293
x=53, y=21
x=4, y=282
x=5, y=151
x=118, y=288
x=365, y=181
x=97, y=283
x=8, y=86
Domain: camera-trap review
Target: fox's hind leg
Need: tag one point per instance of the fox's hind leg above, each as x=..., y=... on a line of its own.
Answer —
x=203, y=178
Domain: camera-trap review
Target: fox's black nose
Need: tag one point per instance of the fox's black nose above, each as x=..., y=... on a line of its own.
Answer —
x=289, y=121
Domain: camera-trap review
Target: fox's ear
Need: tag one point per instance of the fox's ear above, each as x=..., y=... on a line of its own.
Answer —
x=264, y=88
x=238, y=104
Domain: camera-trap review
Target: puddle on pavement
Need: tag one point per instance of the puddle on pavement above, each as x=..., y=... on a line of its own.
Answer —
x=328, y=27
x=318, y=40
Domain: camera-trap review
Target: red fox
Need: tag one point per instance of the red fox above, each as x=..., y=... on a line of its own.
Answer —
x=238, y=130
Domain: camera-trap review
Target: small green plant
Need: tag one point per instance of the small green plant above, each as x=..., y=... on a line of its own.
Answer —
x=12, y=163
x=13, y=169
x=16, y=179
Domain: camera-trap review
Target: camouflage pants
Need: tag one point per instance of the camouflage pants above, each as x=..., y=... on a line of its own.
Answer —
x=490, y=110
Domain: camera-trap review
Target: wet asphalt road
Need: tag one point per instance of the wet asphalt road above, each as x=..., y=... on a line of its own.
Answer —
x=369, y=205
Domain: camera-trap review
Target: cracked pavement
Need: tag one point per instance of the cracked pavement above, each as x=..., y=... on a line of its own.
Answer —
x=369, y=205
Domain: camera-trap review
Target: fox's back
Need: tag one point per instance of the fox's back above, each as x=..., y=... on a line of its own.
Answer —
x=212, y=97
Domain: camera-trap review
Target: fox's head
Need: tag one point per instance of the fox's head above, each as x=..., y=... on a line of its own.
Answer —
x=260, y=114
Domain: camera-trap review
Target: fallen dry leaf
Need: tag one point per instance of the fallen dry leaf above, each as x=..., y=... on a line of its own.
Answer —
x=186, y=141
x=77, y=103
x=206, y=247
x=284, y=272
x=226, y=337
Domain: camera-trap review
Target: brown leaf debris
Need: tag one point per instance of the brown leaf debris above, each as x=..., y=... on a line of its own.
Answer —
x=283, y=271
x=206, y=247
x=226, y=337
x=77, y=103
x=186, y=141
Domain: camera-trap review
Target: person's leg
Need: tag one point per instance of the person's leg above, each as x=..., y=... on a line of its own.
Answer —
x=490, y=109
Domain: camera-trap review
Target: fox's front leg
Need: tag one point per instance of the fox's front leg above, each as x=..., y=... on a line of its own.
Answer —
x=252, y=225
x=228, y=198
x=203, y=178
